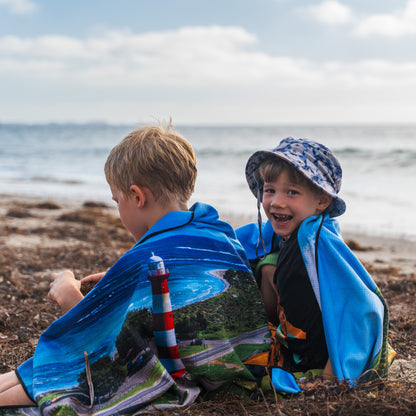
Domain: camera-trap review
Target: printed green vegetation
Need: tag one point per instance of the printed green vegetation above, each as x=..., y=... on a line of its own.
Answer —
x=245, y=350
x=109, y=374
x=221, y=368
x=50, y=397
x=233, y=312
x=154, y=375
x=63, y=410
x=171, y=396
x=53, y=395
x=186, y=351
x=236, y=311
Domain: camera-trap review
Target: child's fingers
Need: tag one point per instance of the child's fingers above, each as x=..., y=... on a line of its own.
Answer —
x=51, y=297
x=61, y=275
x=93, y=277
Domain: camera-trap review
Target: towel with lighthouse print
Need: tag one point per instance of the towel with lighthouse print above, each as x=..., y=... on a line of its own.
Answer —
x=177, y=314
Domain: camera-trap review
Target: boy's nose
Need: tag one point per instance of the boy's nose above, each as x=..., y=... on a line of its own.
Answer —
x=277, y=202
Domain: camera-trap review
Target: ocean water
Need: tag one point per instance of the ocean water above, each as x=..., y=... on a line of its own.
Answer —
x=66, y=161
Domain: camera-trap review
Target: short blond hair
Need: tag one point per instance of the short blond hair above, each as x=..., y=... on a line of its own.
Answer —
x=155, y=157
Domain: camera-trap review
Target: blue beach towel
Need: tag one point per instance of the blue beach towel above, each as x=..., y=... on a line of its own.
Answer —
x=102, y=356
x=354, y=313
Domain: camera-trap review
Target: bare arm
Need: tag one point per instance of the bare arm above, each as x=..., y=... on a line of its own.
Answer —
x=269, y=293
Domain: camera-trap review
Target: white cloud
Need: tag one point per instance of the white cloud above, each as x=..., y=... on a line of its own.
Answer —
x=189, y=56
x=370, y=73
x=19, y=6
x=399, y=23
x=330, y=12
x=201, y=73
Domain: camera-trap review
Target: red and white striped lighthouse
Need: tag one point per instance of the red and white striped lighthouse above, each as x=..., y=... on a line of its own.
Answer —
x=163, y=325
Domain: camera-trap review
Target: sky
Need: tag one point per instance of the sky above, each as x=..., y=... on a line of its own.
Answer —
x=208, y=62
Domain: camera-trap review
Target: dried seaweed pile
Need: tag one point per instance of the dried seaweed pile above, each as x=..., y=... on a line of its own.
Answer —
x=91, y=239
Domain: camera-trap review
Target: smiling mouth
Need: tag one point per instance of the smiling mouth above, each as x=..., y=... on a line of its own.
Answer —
x=282, y=218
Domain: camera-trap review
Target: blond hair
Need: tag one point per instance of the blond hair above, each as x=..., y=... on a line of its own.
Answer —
x=155, y=157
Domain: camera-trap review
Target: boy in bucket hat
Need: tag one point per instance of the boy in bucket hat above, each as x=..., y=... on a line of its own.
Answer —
x=327, y=315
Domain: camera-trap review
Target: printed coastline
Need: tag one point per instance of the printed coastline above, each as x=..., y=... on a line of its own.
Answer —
x=219, y=274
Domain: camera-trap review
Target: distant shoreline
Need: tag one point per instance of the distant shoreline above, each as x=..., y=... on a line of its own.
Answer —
x=396, y=252
x=235, y=219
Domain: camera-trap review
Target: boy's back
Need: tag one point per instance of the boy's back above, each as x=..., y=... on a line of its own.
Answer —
x=111, y=335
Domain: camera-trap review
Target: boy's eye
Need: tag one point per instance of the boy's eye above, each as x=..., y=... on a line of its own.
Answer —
x=292, y=192
x=268, y=191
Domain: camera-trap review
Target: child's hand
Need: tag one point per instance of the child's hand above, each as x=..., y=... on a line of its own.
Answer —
x=65, y=290
x=93, y=277
x=88, y=282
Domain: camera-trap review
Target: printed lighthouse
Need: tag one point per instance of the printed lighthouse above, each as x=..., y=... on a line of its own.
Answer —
x=163, y=325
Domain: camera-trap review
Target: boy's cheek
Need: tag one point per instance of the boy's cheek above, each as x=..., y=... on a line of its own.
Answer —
x=265, y=203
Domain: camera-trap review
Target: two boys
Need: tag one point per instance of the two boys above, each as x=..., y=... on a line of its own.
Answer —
x=152, y=175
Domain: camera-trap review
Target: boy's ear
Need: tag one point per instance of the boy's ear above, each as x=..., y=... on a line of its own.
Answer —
x=324, y=201
x=139, y=194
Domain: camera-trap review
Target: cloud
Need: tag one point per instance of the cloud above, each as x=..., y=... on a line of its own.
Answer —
x=189, y=56
x=186, y=56
x=214, y=71
x=399, y=23
x=19, y=6
x=330, y=12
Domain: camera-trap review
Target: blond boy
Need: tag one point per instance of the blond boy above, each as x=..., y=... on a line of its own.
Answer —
x=151, y=174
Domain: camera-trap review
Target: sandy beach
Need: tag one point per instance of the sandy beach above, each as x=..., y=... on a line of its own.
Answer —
x=38, y=237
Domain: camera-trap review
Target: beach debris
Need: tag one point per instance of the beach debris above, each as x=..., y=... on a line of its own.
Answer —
x=6, y=338
x=4, y=318
x=94, y=204
x=96, y=246
x=321, y=386
x=19, y=213
x=81, y=216
x=356, y=246
x=86, y=287
x=47, y=205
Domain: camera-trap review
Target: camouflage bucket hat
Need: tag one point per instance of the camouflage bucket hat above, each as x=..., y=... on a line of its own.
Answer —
x=315, y=161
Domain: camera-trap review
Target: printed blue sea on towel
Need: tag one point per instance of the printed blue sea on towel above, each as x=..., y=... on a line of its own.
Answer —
x=102, y=357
